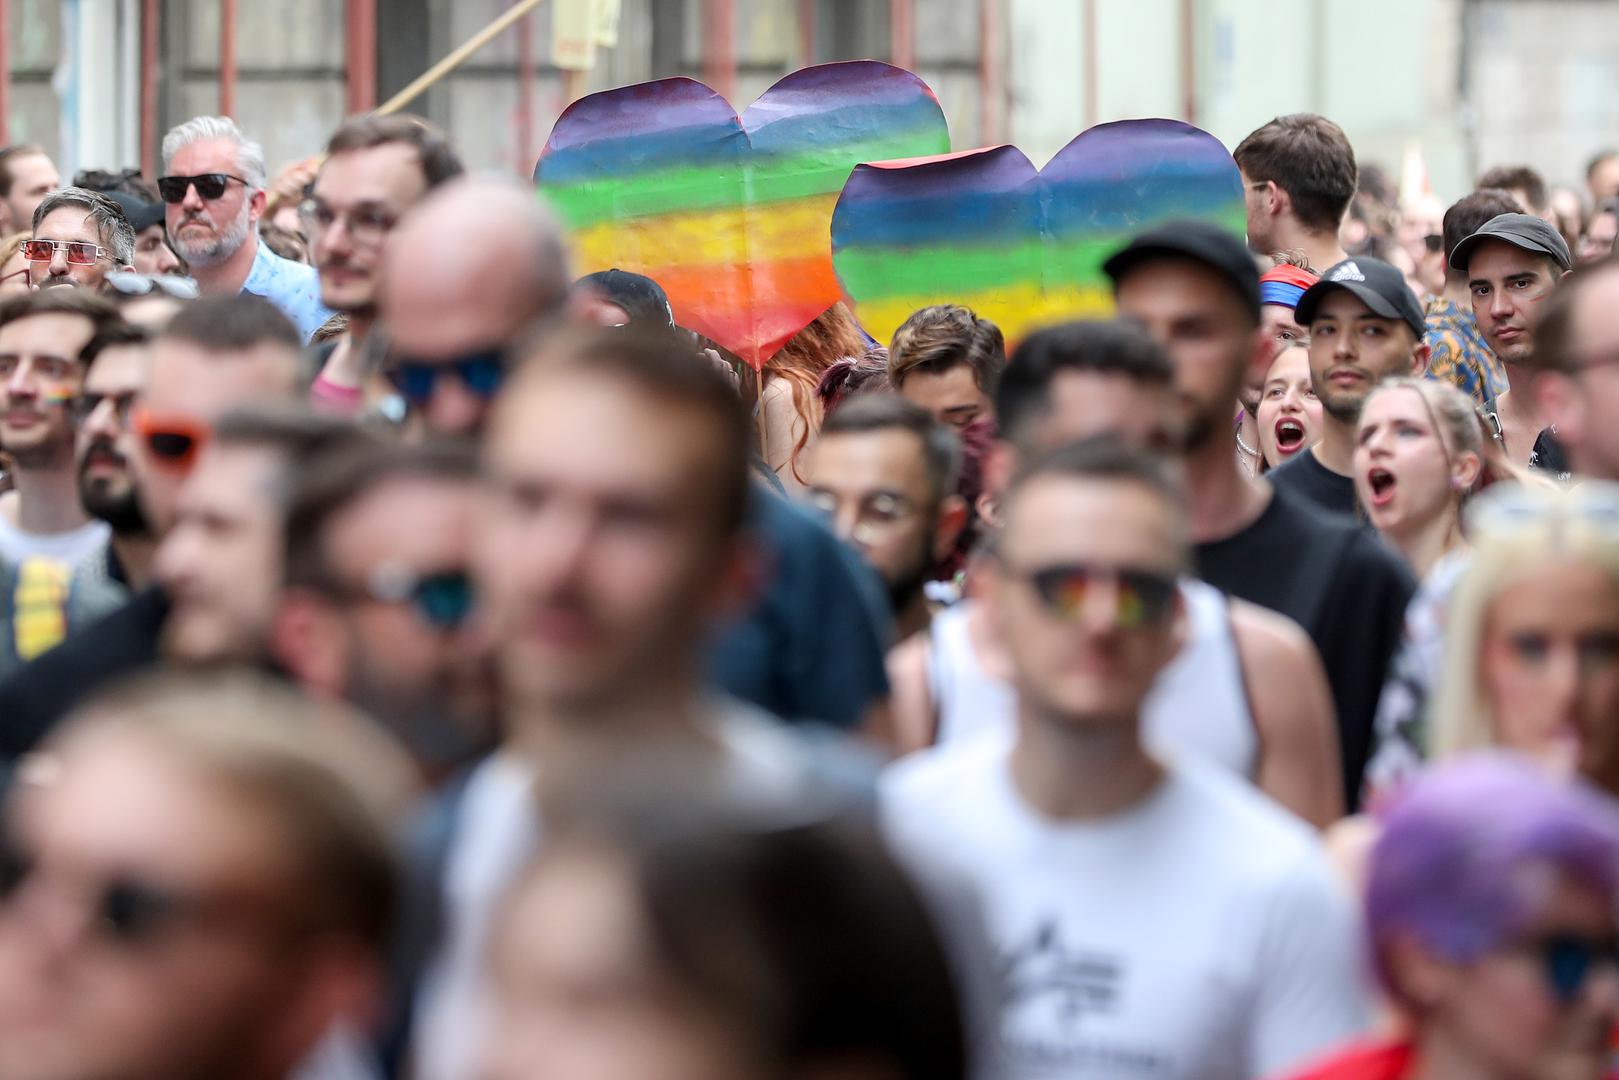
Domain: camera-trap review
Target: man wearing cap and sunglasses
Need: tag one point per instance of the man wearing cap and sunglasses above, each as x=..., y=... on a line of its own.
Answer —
x=79, y=237
x=1513, y=263
x=1366, y=325
x=214, y=186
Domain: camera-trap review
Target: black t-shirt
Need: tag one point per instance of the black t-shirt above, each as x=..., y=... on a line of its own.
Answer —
x=1337, y=581
x=1549, y=456
x=1308, y=479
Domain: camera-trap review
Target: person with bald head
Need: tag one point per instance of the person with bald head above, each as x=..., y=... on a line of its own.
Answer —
x=449, y=329
x=219, y=353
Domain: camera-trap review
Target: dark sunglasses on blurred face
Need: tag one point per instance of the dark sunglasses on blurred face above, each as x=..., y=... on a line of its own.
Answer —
x=210, y=186
x=443, y=599
x=123, y=909
x=1434, y=242
x=482, y=372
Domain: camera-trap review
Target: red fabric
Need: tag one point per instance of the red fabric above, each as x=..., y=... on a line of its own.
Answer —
x=1291, y=275
x=1366, y=1061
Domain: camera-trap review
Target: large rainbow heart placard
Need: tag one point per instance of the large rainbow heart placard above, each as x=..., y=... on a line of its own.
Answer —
x=731, y=215
x=1021, y=247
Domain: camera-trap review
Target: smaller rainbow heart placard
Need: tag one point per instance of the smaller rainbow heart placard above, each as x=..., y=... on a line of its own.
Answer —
x=1020, y=246
x=731, y=215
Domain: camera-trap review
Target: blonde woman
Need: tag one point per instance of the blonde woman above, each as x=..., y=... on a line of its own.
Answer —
x=1529, y=657
x=1419, y=454
x=1532, y=635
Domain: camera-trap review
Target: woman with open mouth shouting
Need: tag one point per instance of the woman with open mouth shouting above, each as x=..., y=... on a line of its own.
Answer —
x=1289, y=413
x=1419, y=454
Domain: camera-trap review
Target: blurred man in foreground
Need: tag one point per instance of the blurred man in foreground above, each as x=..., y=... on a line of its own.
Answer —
x=197, y=883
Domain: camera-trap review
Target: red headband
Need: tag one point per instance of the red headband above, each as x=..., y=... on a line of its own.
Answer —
x=1289, y=274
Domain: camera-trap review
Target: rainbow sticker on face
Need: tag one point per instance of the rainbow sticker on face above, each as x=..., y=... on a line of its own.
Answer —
x=731, y=215
x=1021, y=247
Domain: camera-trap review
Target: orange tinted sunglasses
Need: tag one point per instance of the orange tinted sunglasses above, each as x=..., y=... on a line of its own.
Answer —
x=172, y=441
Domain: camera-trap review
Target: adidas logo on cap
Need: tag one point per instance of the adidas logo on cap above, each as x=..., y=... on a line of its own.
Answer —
x=1347, y=272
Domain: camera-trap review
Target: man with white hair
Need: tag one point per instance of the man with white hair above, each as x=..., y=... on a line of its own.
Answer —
x=214, y=190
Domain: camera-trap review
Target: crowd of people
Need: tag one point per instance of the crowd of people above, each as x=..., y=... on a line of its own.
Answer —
x=420, y=660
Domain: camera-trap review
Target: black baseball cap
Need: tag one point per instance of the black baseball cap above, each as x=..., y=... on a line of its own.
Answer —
x=142, y=215
x=1218, y=248
x=642, y=299
x=1520, y=230
x=1375, y=283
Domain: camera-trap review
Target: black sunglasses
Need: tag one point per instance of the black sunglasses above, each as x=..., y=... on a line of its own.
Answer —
x=481, y=372
x=1568, y=962
x=209, y=185
x=1434, y=242
x=127, y=911
x=443, y=599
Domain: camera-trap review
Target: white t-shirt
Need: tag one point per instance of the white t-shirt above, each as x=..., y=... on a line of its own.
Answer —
x=498, y=833
x=1199, y=935
x=69, y=548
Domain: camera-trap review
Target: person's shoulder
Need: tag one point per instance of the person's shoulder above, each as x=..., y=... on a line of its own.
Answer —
x=1291, y=470
x=771, y=761
x=1248, y=821
x=942, y=774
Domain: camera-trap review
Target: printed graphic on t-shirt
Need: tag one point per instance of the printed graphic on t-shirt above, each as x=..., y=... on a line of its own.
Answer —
x=1050, y=990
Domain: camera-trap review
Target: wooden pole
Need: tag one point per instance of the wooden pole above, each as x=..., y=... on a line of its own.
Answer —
x=5, y=72
x=360, y=52
x=525, y=97
x=149, y=60
x=902, y=34
x=719, y=60
x=227, y=58
x=426, y=79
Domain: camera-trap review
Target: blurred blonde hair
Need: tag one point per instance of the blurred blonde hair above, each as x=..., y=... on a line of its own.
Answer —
x=1550, y=532
x=10, y=245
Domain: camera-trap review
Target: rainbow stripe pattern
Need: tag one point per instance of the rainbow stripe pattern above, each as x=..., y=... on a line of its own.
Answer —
x=1021, y=247
x=731, y=215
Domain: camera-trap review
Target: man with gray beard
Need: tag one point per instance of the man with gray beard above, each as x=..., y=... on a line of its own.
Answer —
x=214, y=190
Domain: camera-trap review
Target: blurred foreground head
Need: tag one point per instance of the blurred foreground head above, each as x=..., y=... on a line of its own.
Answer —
x=1490, y=901
x=667, y=942
x=612, y=539
x=197, y=884
x=469, y=268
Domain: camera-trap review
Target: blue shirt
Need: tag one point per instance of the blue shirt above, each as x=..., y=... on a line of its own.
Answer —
x=812, y=650
x=291, y=286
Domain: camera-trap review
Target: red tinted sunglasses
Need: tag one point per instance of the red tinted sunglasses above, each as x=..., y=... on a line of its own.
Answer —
x=173, y=441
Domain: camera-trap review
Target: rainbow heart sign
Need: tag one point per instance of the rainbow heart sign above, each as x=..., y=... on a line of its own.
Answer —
x=1022, y=247
x=731, y=214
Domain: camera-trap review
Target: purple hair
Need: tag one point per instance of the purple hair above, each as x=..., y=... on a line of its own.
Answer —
x=1459, y=865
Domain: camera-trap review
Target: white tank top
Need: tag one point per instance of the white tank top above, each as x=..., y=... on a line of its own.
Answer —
x=1198, y=706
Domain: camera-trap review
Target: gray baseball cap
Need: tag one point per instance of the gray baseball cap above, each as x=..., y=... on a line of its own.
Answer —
x=1520, y=230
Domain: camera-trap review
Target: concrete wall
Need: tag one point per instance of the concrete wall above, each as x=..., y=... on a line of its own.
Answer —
x=1475, y=82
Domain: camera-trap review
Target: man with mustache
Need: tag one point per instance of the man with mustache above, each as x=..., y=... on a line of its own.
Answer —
x=115, y=373
x=1365, y=326
x=79, y=236
x=214, y=187
x=41, y=336
x=376, y=168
